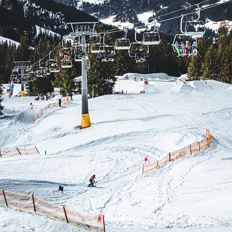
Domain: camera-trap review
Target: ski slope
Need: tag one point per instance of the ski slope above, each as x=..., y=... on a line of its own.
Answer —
x=191, y=194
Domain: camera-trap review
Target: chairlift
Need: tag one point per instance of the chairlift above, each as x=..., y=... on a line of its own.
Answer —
x=107, y=53
x=151, y=37
x=139, y=51
x=191, y=27
x=184, y=45
x=123, y=43
x=96, y=47
x=53, y=65
x=65, y=57
x=79, y=53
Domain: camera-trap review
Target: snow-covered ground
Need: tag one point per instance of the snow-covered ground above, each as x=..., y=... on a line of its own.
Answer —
x=191, y=194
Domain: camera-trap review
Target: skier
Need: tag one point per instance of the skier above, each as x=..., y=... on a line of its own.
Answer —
x=92, y=181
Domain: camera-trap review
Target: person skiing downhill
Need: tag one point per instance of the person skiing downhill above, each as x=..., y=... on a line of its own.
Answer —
x=92, y=181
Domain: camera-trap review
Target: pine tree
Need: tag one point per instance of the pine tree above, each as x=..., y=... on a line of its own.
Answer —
x=195, y=63
x=101, y=77
x=65, y=81
x=210, y=67
x=226, y=67
x=23, y=52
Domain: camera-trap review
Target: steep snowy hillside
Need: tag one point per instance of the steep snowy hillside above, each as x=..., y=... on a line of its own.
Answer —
x=156, y=114
x=23, y=16
x=130, y=11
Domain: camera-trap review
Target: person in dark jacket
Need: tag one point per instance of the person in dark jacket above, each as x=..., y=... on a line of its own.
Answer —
x=59, y=102
x=92, y=181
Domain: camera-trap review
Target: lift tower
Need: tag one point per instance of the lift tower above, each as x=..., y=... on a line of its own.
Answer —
x=81, y=31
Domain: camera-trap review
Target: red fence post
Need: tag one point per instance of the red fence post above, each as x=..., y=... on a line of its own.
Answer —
x=199, y=144
x=18, y=151
x=170, y=156
x=33, y=201
x=37, y=150
x=65, y=214
x=104, y=224
x=190, y=148
x=3, y=192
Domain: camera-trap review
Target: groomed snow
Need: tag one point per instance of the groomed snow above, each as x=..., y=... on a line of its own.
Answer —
x=191, y=194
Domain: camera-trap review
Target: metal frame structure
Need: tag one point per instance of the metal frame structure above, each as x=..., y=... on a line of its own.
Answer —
x=23, y=66
x=83, y=30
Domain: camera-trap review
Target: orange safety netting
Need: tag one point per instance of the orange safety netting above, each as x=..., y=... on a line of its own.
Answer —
x=65, y=100
x=19, y=152
x=32, y=204
x=186, y=151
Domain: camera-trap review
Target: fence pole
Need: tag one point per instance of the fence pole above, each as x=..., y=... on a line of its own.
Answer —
x=104, y=224
x=0, y=153
x=199, y=144
x=157, y=164
x=33, y=201
x=37, y=150
x=18, y=151
x=169, y=156
x=143, y=170
x=3, y=192
x=190, y=149
x=65, y=214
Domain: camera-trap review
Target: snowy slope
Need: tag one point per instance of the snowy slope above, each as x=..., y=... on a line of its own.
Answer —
x=8, y=41
x=191, y=194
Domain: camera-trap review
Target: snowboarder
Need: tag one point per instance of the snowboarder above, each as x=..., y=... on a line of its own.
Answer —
x=92, y=181
x=31, y=106
x=59, y=101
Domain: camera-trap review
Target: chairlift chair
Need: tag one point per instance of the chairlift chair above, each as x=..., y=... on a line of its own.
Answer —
x=184, y=45
x=195, y=29
x=96, y=48
x=123, y=43
x=151, y=37
x=191, y=27
x=107, y=54
x=65, y=57
x=54, y=66
x=139, y=51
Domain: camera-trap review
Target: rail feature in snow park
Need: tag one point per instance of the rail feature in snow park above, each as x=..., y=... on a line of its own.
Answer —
x=31, y=204
x=19, y=152
x=64, y=101
x=183, y=152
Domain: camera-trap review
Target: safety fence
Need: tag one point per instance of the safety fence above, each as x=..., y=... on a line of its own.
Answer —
x=32, y=204
x=64, y=101
x=19, y=152
x=183, y=152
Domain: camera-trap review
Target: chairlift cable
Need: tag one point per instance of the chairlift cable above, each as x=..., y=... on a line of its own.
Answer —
x=202, y=9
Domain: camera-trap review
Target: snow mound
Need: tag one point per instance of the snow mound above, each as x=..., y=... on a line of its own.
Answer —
x=182, y=88
x=150, y=76
x=150, y=88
